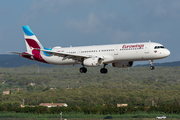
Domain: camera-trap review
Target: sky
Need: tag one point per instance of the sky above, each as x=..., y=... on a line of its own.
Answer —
x=91, y=22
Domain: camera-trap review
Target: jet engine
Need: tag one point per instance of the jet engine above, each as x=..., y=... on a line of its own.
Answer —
x=92, y=62
x=123, y=64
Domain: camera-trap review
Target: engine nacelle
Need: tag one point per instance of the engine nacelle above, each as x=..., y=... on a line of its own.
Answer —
x=123, y=64
x=92, y=62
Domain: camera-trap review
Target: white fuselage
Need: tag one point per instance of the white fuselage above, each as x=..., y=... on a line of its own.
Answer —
x=120, y=55
x=111, y=53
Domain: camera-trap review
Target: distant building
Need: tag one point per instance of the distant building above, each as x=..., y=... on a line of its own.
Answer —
x=6, y=92
x=53, y=104
x=68, y=87
x=32, y=84
x=22, y=105
x=52, y=88
x=122, y=105
x=27, y=106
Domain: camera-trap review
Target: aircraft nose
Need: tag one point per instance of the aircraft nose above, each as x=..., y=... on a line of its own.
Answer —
x=167, y=53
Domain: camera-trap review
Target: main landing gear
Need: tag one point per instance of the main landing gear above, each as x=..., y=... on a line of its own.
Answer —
x=104, y=70
x=83, y=69
x=151, y=63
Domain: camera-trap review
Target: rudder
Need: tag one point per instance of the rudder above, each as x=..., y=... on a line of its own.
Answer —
x=30, y=39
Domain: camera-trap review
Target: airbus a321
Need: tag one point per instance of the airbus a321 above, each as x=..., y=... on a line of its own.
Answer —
x=119, y=55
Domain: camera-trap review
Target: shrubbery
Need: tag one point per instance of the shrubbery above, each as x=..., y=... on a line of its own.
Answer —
x=103, y=110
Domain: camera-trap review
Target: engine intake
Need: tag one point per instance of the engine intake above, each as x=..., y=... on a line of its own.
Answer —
x=92, y=62
x=123, y=64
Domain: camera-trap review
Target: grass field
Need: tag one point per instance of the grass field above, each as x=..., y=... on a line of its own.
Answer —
x=84, y=119
x=77, y=116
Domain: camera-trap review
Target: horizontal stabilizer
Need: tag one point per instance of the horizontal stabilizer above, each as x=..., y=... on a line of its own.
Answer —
x=26, y=54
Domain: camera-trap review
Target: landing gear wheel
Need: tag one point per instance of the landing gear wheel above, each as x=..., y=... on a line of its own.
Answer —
x=152, y=67
x=151, y=63
x=83, y=70
x=103, y=70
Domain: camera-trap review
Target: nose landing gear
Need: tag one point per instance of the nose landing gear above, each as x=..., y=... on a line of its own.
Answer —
x=151, y=63
x=152, y=67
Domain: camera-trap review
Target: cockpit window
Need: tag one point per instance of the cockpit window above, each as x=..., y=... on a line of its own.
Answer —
x=157, y=47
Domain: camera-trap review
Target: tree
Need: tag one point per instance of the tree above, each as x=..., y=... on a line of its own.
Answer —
x=23, y=81
x=39, y=88
x=29, y=88
x=16, y=104
x=45, y=89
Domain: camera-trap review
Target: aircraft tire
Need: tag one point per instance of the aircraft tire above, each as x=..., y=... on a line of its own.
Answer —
x=152, y=67
x=83, y=70
x=103, y=70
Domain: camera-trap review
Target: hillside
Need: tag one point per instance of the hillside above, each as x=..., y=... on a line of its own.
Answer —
x=17, y=61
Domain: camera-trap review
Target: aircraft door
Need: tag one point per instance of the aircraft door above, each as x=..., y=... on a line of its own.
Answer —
x=116, y=51
x=146, y=48
x=79, y=51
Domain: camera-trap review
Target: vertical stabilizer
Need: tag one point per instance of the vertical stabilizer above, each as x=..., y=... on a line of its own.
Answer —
x=31, y=43
x=30, y=39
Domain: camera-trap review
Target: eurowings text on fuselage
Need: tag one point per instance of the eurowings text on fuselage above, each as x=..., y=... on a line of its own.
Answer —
x=120, y=55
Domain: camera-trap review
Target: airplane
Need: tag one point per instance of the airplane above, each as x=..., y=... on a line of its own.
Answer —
x=119, y=55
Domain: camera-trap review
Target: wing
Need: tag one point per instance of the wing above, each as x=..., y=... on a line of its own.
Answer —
x=66, y=55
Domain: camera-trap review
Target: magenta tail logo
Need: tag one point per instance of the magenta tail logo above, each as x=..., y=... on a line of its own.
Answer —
x=32, y=43
x=36, y=53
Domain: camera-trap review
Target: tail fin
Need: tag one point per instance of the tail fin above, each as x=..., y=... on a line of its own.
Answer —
x=31, y=40
x=32, y=44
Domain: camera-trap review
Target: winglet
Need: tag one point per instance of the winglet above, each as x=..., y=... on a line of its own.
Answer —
x=27, y=30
